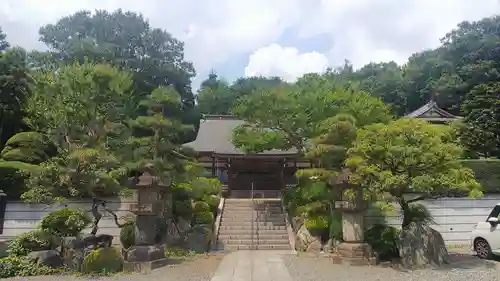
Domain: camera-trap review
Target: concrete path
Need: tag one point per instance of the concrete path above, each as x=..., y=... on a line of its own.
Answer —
x=253, y=266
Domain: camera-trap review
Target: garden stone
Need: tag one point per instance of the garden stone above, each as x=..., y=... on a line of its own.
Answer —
x=421, y=246
x=50, y=258
x=198, y=238
x=306, y=242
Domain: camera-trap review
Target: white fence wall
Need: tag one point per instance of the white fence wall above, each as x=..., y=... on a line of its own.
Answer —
x=21, y=217
x=455, y=217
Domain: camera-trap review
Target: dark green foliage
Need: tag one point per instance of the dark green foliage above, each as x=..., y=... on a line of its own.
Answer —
x=15, y=266
x=200, y=207
x=203, y=218
x=487, y=172
x=103, y=261
x=13, y=176
x=14, y=90
x=36, y=240
x=183, y=209
x=127, y=235
x=212, y=201
x=382, y=239
x=65, y=222
x=28, y=147
x=418, y=213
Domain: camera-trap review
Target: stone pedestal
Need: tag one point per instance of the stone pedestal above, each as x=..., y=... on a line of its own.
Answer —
x=354, y=254
x=353, y=251
x=143, y=259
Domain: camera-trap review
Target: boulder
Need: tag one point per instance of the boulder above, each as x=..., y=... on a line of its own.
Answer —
x=104, y=240
x=50, y=258
x=306, y=242
x=198, y=238
x=421, y=246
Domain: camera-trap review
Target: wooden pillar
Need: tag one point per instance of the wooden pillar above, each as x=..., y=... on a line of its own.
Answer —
x=283, y=182
x=229, y=176
x=213, y=167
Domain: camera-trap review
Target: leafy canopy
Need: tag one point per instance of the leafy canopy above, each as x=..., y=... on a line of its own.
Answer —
x=409, y=155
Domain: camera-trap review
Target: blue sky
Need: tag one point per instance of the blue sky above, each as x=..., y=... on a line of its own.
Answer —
x=286, y=38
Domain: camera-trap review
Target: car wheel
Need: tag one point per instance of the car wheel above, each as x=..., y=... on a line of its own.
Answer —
x=482, y=248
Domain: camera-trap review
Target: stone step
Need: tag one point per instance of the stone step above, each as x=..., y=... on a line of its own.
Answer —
x=250, y=223
x=245, y=236
x=254, y=218
x=254, y=247
x=255, y=232
x=249, y=227
x=255, y=242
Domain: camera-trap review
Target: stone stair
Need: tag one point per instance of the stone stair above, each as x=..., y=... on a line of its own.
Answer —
x=267, y=232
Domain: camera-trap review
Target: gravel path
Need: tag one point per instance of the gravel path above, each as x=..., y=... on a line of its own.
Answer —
x=464, y=268
x=199, y=269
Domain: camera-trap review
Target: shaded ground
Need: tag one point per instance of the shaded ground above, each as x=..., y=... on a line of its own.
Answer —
x=464, y=267
x=200, y=268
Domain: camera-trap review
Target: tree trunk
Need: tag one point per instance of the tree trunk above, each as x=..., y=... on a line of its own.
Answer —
x=405, y=208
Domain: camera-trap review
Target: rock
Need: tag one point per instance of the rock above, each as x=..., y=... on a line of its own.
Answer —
x=50, y=258
x=198, y=238
x=183, y=226
x=144, y=253
x=422, y=246
x=329, y=246
x=305, y=242
x=104, y=240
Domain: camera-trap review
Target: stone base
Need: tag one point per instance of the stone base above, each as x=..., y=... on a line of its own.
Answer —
x=144, y=267
x=144, y=258
x=354, y=254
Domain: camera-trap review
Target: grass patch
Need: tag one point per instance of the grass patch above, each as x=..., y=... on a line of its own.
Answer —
x=179, y=253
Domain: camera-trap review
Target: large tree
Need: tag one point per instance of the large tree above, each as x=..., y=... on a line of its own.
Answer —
x=126, y=40
x=409, y=156
x=289, y=116
x=14, y=80
x=482, y=120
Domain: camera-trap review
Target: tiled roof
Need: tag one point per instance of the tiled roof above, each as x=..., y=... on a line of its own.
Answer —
x=215, y=135
x=431, y=110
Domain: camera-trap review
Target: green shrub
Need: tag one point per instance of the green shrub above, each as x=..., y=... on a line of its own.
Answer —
x=212, y=201
x=127, y=235
x=103, y=261
x=317, y=223
x=203, y=218
x=382, y=239
x=200, y=207
x=487, y=172
x=205, y=186
x=183, y=209
x=336, y=226
x=65, y=222
x=13, y=266
x=28, y=147
x=36, y=240
x=13, y=175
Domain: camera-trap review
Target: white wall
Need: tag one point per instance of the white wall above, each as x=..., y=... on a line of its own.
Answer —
x=455, y=217
x=21, y=217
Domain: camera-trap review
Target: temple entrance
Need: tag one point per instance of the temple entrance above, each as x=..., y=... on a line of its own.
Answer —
x=267, y=178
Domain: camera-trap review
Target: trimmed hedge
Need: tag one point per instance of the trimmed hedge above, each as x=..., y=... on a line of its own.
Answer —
x=28, y=147
x=36, y=240
x=65, y=222
x=103, y=260
x=487, y=172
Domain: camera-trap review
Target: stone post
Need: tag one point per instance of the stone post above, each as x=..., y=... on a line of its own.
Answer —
x=353, y=250
x=146, y=254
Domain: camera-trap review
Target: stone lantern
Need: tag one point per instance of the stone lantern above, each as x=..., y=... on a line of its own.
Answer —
x=147, y=252
x=353, y=250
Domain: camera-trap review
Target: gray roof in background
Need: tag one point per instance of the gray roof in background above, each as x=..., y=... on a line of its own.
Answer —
x=215, y=135
x=431, y=110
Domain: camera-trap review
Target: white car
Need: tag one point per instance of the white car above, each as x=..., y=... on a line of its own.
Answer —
x=485, y=238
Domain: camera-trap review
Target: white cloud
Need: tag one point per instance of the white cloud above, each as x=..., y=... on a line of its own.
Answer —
x=216, y=31
x=285, y=62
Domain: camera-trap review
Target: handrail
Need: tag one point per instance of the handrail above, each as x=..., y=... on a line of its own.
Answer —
x=253, y=209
